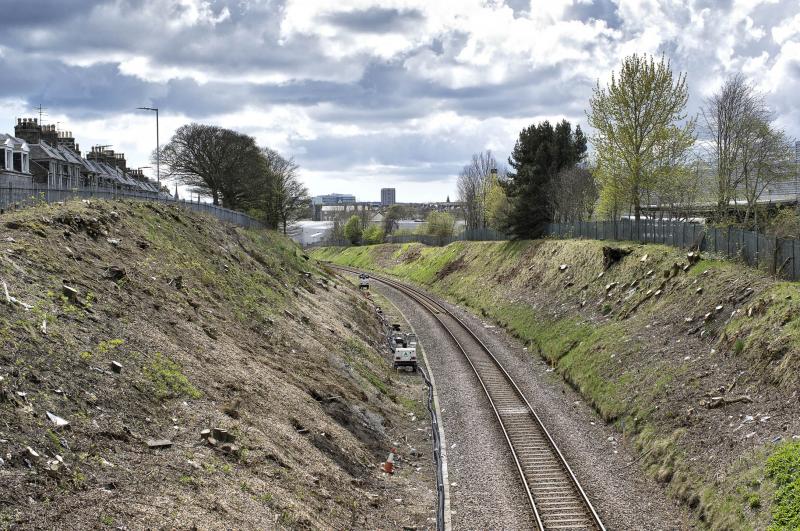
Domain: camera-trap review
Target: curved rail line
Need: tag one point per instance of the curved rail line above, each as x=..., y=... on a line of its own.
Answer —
x=556, y=497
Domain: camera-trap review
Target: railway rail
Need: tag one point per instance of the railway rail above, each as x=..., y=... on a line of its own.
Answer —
x=556, y=498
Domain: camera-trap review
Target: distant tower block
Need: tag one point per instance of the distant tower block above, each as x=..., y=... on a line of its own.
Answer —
x=388, y=196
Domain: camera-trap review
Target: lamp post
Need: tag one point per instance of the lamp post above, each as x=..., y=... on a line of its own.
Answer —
x=158, y=145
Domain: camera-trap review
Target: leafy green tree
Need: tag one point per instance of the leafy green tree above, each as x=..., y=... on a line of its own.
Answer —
x=373, y=235
x=440, y=224
x=498, y=206
x=353, y=229
x=539, y=154
x=642, y=133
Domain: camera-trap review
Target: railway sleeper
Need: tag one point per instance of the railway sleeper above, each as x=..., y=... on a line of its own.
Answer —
x=542, y=478
x=557, y=496
x=544, y=507
x=569, y=521
x=552, y=488
x=571, y=516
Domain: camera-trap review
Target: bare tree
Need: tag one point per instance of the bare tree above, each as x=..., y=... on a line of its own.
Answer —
x=290, y=197
x=572, y=193
x=767, y=159
x=746, y=150
x=725, y=116
x=474, y=186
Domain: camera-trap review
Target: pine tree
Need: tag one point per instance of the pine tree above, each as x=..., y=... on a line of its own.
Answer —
x=539, y=154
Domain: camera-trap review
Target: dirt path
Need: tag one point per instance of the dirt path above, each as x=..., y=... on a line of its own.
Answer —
x=484, y=485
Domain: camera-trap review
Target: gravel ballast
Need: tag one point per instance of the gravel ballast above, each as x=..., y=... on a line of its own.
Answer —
x=485, y=488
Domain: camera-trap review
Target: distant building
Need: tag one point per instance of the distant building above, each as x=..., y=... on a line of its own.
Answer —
x=388, y=196
x=333, y=199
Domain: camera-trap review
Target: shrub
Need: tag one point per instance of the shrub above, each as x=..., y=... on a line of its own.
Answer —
x=783, y=467
x=372, y=235
x=168, y=379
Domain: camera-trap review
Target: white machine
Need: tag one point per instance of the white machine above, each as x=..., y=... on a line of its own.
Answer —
x=405, y=357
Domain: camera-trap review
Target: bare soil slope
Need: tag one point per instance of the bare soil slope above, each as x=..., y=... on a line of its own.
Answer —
x=695, y=361
x=212, y=327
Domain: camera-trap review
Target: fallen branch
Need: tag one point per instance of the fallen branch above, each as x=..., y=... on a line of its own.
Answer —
x=721, y=401
x=642, y=455
x=13, y=300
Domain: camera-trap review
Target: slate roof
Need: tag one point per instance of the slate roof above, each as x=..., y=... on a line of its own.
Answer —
x=43, y=150
x=69, y=155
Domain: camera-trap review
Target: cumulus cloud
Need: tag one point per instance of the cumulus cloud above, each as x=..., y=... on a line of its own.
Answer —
x=369, y=93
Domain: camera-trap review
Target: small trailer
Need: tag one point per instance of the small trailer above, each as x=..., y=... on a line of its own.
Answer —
x=405, y=357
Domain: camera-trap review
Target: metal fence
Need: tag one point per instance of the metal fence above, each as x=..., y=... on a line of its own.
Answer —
x=13, y=198
x=776, y=255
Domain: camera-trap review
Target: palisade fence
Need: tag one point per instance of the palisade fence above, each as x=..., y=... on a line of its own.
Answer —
x=12, y=198
x=776, y=255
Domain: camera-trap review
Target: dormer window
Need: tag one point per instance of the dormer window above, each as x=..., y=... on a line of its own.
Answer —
x=3, y=159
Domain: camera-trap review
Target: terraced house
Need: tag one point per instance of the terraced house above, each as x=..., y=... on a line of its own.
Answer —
x=14, y=161
x=43, y=157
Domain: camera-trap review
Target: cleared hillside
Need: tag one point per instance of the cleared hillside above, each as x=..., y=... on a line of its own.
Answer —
x=212, y=327
x=697, y=362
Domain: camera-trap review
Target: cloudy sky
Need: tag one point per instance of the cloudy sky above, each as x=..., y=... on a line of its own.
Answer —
x=364, y=93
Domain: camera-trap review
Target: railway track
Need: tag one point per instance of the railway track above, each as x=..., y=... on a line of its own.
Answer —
x=556, y=498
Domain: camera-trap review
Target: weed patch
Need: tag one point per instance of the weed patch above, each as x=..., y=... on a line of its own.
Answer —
x=168, y=380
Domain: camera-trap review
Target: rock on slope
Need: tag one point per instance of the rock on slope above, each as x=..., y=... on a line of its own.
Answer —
x=213, y=327
x=697, y=362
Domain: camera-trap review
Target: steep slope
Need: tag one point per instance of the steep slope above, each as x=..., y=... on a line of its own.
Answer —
x=212, y=327
x=696, y=361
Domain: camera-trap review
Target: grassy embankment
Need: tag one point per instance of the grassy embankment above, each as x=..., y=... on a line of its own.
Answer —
x=652, y=347
x=214, y=327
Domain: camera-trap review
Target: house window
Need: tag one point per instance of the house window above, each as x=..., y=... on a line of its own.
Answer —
x=17, y=162
x=3, y=159
x=25, y=163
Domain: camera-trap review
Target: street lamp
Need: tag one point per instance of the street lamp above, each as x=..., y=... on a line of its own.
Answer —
x=158, y=145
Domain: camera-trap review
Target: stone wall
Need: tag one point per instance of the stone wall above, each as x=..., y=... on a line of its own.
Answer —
x=17, y=180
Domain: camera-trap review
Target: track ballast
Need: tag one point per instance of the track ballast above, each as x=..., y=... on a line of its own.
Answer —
x=556, y=498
